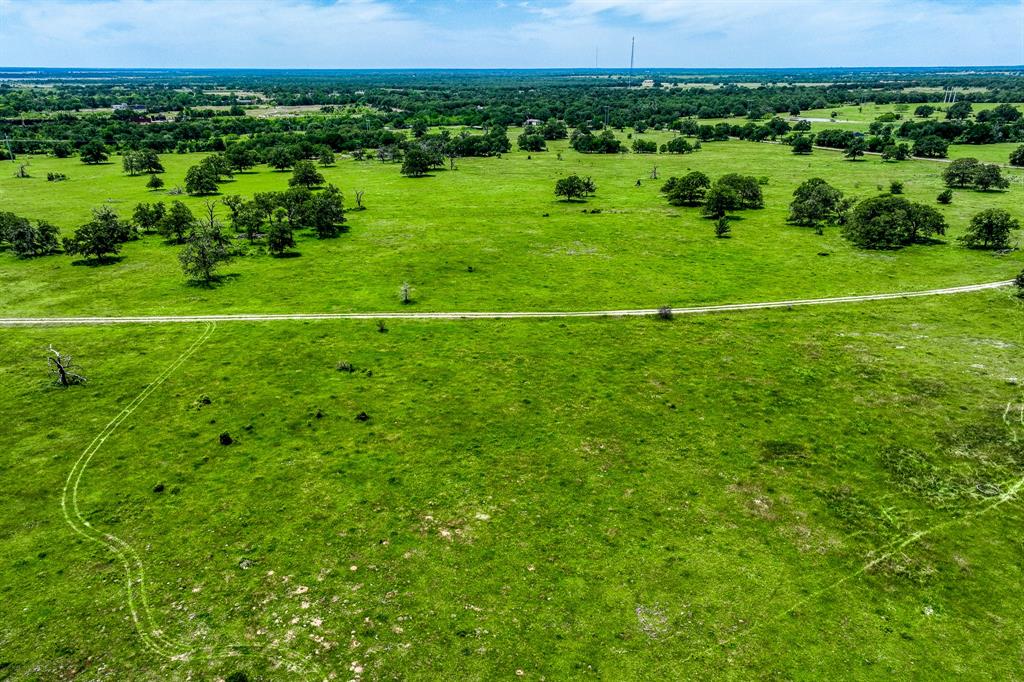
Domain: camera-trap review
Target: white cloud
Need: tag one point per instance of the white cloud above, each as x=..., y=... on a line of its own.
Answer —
x=194, y=33
x=764, y=33
x=381, y=33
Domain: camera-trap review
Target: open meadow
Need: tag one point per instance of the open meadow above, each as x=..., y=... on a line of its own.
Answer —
x=586, y=479
x=492, y=236
x=818, y=492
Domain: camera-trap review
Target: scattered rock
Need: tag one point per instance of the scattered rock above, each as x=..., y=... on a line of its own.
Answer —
x=245, y=564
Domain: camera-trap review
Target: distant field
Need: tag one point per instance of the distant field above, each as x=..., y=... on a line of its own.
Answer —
x=990, y=153
x=626, y=247
x=869, y=111
x=813, y=493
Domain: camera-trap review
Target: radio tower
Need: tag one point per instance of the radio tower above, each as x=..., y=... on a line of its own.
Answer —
x=632, y=47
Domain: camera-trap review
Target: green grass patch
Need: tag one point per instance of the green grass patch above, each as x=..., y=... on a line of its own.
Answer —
x=606, y=498
x=491, y=236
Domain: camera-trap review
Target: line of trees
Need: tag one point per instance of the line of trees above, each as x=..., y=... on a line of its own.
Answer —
x=730, y=192
x=969, y=172
x=28, y=239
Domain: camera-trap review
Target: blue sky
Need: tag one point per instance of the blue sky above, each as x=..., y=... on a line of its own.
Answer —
x=509, y=33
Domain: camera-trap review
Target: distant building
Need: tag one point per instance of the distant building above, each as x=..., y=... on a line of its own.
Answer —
x=647, y=83
x=532, y=122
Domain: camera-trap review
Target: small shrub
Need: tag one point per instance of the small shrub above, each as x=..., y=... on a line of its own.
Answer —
x=345, y=367
x=665, y=312
x=722, y=228
x=945, y=196
x=1018, y=282
x=226, y=439
x=406, y=293
x=362, y=416
x=895, y=187
x=381, y=327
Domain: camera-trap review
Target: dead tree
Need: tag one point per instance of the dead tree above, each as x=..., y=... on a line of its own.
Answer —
x=63, y=368
x=654, y=173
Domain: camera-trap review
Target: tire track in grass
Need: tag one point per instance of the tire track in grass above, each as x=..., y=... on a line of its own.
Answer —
x=497, y=315
x=145, y=624
x=887, y=551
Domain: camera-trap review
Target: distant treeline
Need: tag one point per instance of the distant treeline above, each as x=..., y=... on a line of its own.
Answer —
x=358, y=111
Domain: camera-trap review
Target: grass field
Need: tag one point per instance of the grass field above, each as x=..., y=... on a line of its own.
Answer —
x=499, y=217
x=814, y=493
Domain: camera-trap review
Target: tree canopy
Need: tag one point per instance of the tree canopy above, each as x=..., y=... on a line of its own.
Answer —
x=688, y=190
x=573, y=187
x=815, y=201
x=990, y=229
x=891, y=222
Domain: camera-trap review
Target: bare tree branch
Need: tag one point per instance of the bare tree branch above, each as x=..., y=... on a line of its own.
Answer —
x=63, y=368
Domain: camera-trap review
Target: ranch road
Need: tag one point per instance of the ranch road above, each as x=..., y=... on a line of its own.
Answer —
x=637, y=312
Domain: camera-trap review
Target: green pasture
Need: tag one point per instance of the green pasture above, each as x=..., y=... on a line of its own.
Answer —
x=491, y=236
x=813, y=494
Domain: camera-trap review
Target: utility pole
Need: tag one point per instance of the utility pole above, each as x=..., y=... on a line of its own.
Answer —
x=632, y=49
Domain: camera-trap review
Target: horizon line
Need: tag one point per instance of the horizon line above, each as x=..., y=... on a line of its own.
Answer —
x=511, y=68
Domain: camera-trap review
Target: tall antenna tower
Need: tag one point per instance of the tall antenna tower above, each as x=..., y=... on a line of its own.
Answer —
x=632, y=50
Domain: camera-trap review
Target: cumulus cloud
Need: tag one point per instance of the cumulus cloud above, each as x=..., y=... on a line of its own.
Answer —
x=500, y=33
